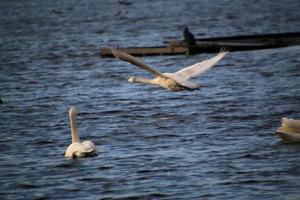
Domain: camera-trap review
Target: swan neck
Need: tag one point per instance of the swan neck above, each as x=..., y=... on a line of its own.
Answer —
x=74, y=132
x=144, y=80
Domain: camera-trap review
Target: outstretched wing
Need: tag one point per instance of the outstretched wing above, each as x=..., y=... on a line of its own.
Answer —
x=135, y=61
x=201, y=67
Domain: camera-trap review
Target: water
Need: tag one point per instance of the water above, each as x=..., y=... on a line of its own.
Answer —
x=215, y=143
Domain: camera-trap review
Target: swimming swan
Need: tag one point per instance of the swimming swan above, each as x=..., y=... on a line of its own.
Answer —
x=289, y=130
x=77, y=149
x=177, y=81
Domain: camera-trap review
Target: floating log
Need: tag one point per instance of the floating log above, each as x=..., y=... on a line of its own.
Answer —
x=210, y=45
x=147, y=51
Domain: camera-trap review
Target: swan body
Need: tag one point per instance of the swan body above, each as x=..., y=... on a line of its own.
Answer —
x=289, y=130
x=77, y=149
x=177, y=81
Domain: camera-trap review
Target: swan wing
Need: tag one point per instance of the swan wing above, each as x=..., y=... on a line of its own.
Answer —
x=289, y=130
x=88, y=146
x=182, y=81
x=76, y=149
x=135, y=61
x=201, y=67
x=291, y=125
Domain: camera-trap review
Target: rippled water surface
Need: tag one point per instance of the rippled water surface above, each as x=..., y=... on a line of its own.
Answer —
x=215, y=143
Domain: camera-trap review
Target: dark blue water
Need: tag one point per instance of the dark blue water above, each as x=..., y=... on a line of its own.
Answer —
x=215, y=143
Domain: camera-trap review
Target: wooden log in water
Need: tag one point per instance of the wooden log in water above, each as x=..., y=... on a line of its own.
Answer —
x=210, y=45
x=147, y=51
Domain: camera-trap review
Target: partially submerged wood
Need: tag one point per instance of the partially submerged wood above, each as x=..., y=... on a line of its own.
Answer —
x=210, y=45
x=149, y=51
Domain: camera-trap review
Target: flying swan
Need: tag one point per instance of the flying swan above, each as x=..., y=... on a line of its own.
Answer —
x=289, y=130
x=77, y=149
x=177, y=81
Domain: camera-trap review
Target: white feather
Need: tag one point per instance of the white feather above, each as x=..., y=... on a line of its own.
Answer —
x=201, y=67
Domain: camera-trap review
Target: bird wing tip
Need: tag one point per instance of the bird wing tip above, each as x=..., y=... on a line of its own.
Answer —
x=224, y=50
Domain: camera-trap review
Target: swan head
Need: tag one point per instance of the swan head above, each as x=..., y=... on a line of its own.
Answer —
x=73, y=111
x=132, y=79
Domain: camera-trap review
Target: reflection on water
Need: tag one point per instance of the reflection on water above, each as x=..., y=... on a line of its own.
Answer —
x=215, y=143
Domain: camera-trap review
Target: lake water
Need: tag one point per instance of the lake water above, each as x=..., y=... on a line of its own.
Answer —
x=214, y=143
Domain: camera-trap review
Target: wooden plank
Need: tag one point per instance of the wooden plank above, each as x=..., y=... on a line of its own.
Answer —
x=209, y=45
x=147, y=51
x=273, y=37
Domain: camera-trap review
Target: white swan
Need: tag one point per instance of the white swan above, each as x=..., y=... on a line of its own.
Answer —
x=77, y=149
x=289, y=130
x=177, y=81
